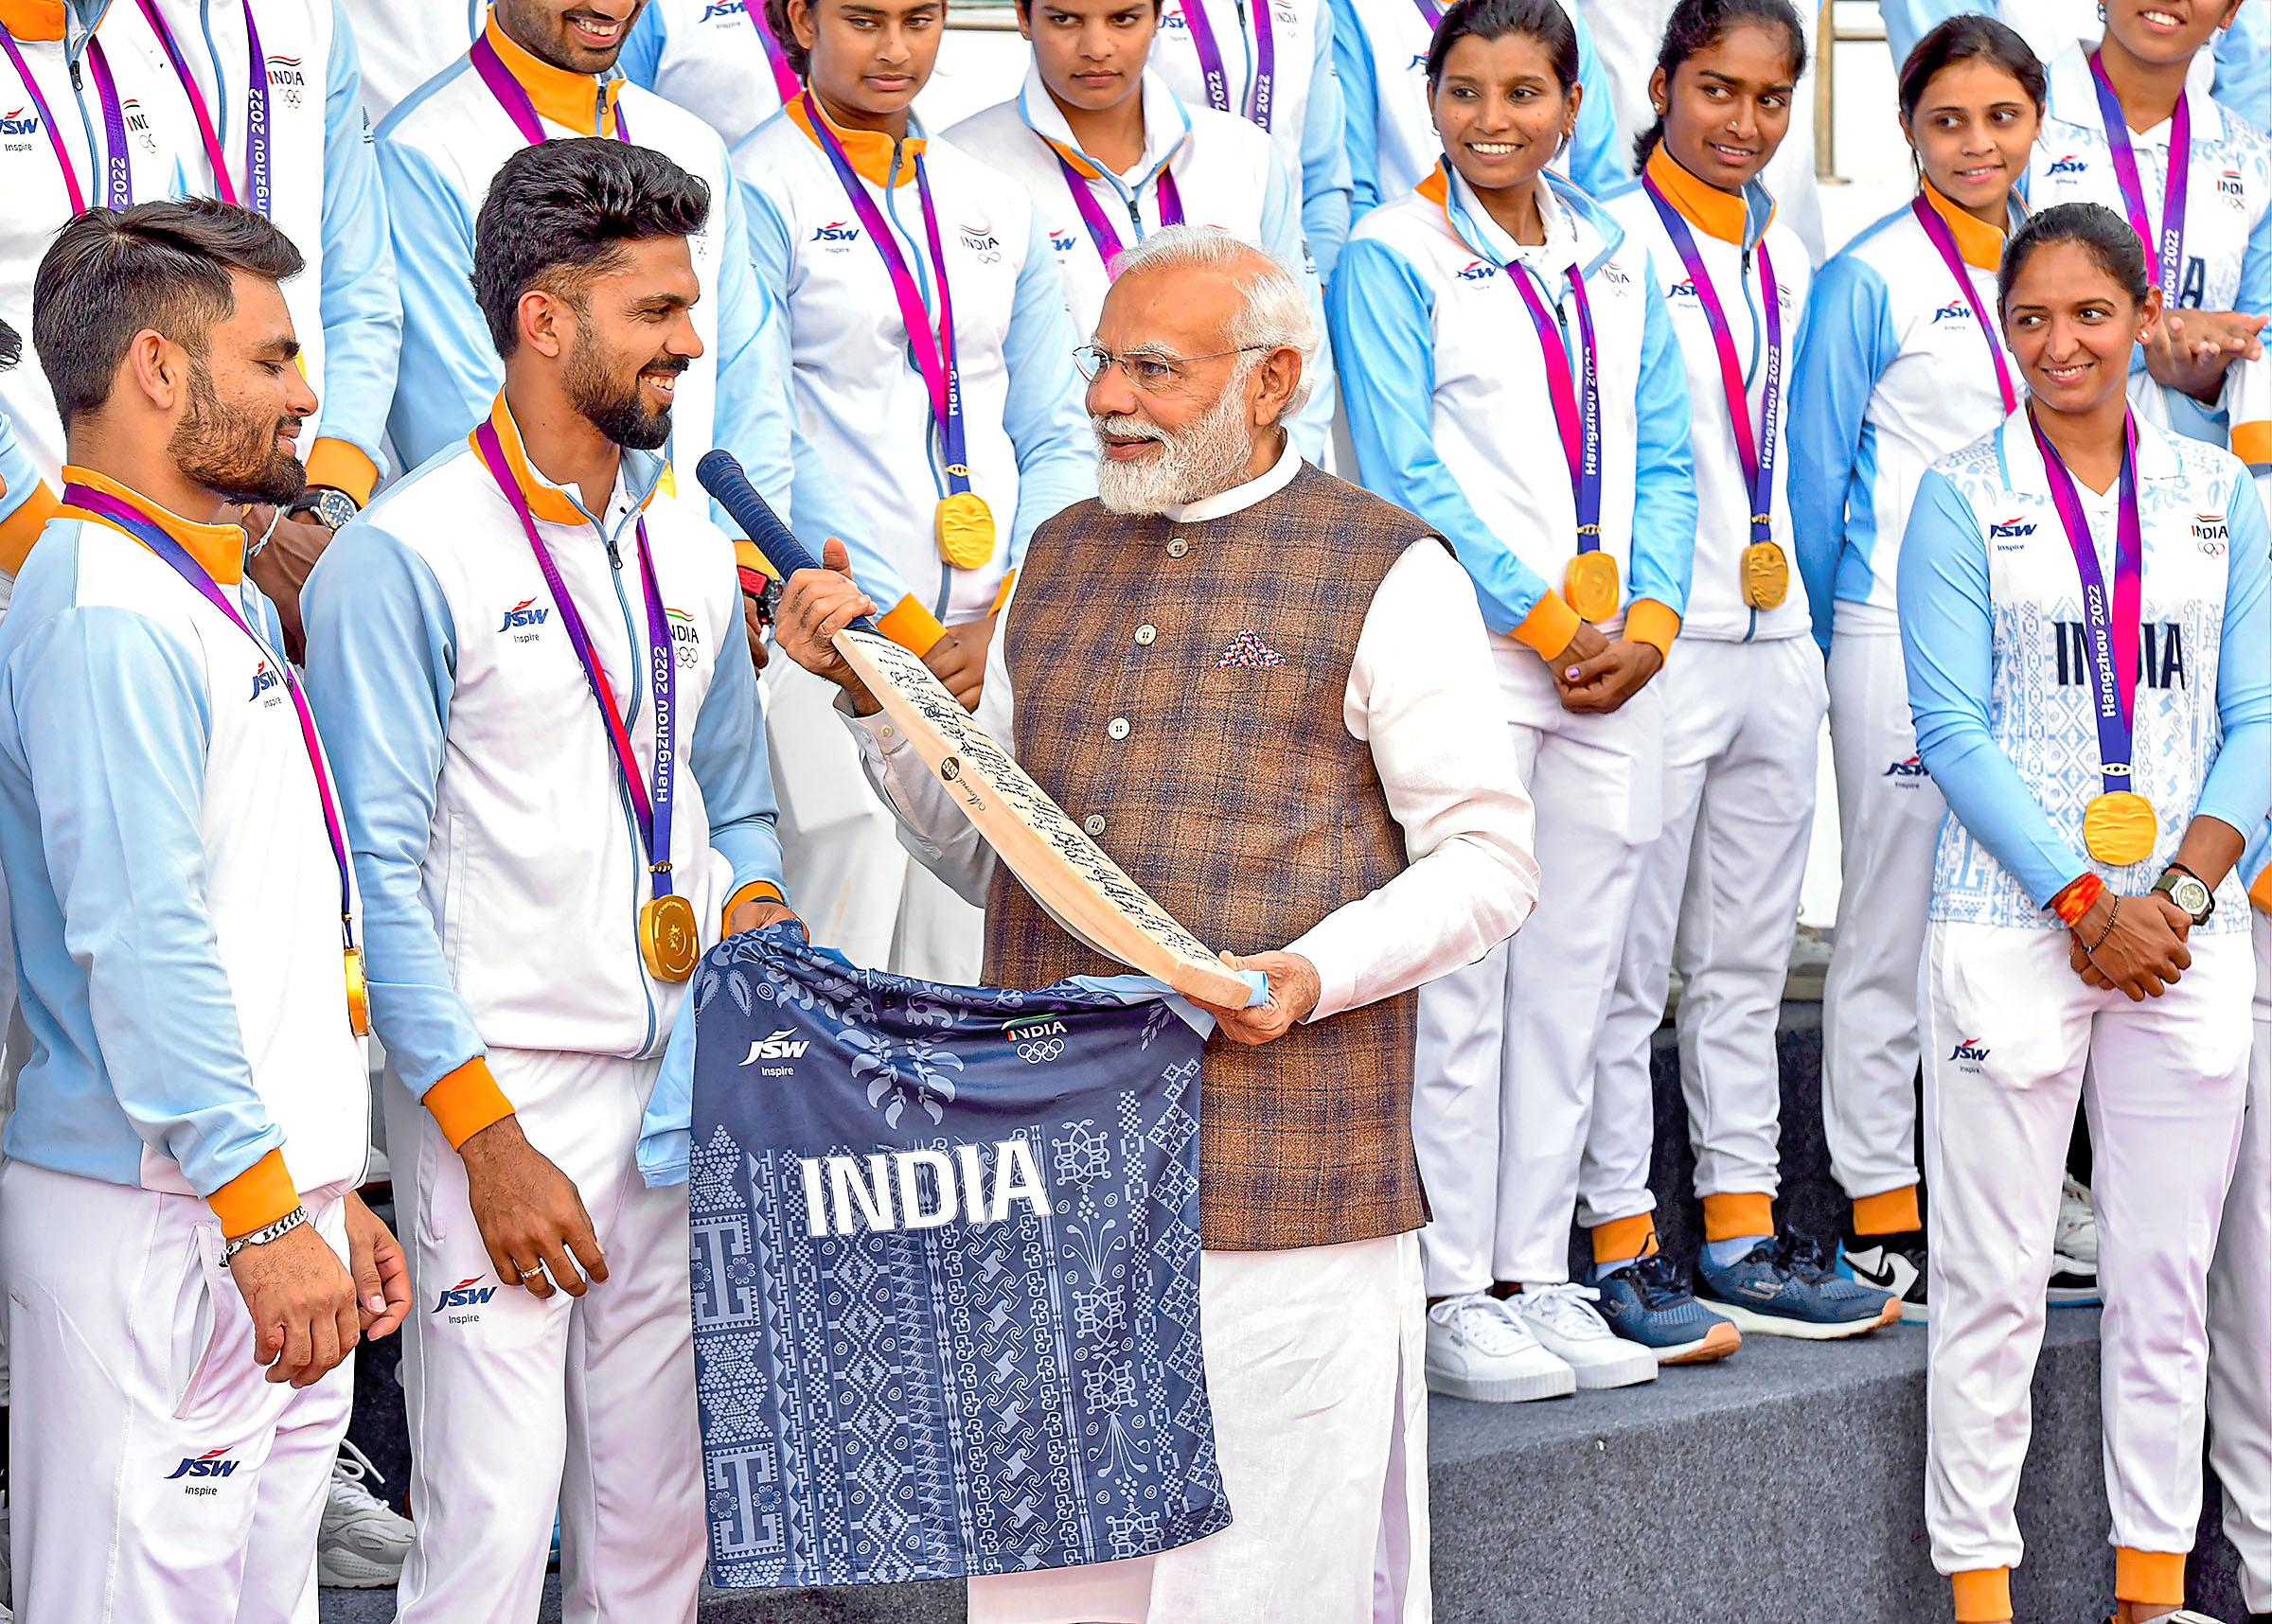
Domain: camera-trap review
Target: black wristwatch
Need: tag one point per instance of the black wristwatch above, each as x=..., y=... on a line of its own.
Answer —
x=2187, y=890
x=329, y=503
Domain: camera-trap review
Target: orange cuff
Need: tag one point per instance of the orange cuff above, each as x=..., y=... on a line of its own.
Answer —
x=756, y=891
x=467, y=1100
x=1549, y=626
x=1984, y=1595
x=1002, y=593
x=912, y=626
x=20, y=529
x=1624, y=1237
x=2261, y=892
x=262, y=1194
x=2156, y=1578
x=2252, y=443
x=1737, y=1213
x=337, y=463
x=1888, y=1212
x=1652, y=623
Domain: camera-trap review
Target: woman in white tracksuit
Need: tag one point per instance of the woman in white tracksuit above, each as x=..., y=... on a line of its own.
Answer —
x=1473, y=319
x=1902, y=363
x=2084, y=612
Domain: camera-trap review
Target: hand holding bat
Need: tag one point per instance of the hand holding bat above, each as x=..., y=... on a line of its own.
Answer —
x=815, y=606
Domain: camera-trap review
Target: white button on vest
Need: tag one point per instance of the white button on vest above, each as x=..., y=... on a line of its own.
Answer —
x=1145, y=635
x=1094, y=824
x=1117, y=728
x=1177, y=548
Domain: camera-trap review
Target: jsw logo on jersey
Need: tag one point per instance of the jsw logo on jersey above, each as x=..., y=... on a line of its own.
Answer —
x=837, y=231
x=1955, y=310
x=717, y=9
x=467, y=1293
x=264, y=679
x=1681, y=290
x=522, y=614
x=783, y=1045
x=1912, y=767
x=210, y=1464
x=19, y=121
x=1970, y=1048
x=2010, y=529
x=1061, y=241
x=1476, y=270
x=2069, y=164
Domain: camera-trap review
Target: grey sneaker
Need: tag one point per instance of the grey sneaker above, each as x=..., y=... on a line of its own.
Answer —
x=362, y=1545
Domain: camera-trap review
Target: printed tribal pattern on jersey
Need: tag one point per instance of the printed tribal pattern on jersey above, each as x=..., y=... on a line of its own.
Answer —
x=946, y=1274
x=2039, y=703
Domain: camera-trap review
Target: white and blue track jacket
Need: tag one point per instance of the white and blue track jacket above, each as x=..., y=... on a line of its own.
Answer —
x=1447, y=393
x=1303, y=117
x=861, y=398
x=1380, y=55
x=501, y=865
x=1994, y=638
x=1729, y=232
x=176, y=899
x=2228, y=209
x=20, y=484
x=402, y=47
x=1226, y=173
x=439, y=150
x=1894, y=373
x=709, y=57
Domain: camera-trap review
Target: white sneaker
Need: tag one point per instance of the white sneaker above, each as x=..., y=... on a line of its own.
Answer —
x=1477, y=1349
x=361, y=1544
x=2078, y=1234
x=1565, y=1322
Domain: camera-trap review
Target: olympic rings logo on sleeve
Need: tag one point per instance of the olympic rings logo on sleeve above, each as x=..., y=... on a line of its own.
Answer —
x=1034, y=1054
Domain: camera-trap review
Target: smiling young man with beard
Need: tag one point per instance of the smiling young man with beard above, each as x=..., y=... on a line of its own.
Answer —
x=548, y=737
x=178, y=1215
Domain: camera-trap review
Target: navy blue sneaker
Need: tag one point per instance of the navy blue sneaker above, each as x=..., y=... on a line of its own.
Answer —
x=1647, y=1301
x=1781, y=1288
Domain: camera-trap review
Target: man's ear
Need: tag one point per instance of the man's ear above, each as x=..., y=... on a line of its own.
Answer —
x=157, y=367
x=547, y=323
x=1276, y=380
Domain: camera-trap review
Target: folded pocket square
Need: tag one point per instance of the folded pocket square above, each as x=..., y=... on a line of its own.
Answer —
x=1248, y=649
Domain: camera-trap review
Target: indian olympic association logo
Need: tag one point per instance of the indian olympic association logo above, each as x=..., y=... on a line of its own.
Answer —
x=288, y=77
x=2230, y=187
x=981, y=240
x=685, y=637
x=1037, y=1042
x=2210, y=534
x=138, y=124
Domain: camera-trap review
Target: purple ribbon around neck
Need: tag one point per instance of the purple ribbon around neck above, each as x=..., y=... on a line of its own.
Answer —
x=260, y=135
x=119, y=192
x=785, y=76
x=1758, y=459
x=118, y=188
x=125, y=516
x=513, y=96
x=651, y=810
x=1430, y=12
x=1577, y=407
x=2110, y=629
x=2165, y=263
x=1218, y=78
x=1936, y=233
x=1100, y=224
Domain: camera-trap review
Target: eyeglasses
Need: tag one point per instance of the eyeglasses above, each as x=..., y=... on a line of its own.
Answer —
x=1152, y=374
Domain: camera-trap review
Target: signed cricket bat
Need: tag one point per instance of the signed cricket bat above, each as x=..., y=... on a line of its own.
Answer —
x=1066, y=873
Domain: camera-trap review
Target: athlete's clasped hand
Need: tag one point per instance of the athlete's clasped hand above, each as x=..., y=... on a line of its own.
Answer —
x=2141, y=954
x=531, y=1219
x=1594, y=675
x=302, y=1304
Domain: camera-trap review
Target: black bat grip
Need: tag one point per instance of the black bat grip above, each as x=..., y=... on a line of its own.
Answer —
x=720, y=475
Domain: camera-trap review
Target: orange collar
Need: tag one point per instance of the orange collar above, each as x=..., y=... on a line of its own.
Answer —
x=869, y=150
x=1436, y=185
x=218, y=548
x=1716, y=213
x=547, y=500
x=30, y=20
x=568, y=99
x=1981, y=246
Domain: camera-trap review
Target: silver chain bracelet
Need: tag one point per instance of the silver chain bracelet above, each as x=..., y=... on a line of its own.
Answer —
x=266, y=1233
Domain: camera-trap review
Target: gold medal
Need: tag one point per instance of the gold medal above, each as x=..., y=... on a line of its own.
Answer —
x=965, y=528
x=1591, y=585
x=670, y=939
x=2119, y=827
x=359, y=996
x=1766, y=575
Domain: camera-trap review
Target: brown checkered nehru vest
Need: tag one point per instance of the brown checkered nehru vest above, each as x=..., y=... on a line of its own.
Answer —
x=1237, y=797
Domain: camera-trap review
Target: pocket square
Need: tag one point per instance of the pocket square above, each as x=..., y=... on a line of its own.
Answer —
x=1248, y=649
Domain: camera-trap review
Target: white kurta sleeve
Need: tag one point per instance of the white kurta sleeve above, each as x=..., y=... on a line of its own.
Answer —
x=1423, y=695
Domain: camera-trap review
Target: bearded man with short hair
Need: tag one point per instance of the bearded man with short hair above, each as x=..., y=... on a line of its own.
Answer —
x=1267, y=695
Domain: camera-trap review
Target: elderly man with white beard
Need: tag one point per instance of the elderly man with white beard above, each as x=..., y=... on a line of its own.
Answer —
x=1267, y=694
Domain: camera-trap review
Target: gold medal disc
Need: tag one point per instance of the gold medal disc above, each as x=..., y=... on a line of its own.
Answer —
x=1766, y=575
x=670, y=939
x=2119, y=827
x=1591, y=585
x=359, y=996
x=966, y=529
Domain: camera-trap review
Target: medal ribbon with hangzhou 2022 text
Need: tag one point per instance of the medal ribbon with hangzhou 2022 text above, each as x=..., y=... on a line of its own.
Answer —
x=1591, y=584
x=2165, y=260
x=669, y=934
x=1218, y=78
x=964, y=523
x=2118, y=825
x=121, y=516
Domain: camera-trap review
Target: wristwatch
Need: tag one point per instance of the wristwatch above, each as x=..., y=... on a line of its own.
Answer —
x=2184, y=888
x=332, y=505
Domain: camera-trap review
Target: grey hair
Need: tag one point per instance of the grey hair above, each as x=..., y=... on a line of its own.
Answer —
x=1274, y=309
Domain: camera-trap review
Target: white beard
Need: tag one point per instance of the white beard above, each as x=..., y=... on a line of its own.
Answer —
x=1206, y=460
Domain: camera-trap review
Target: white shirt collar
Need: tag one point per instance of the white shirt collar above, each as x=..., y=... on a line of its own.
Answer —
x=1560, y=247
x=1240, y=497
x=1166, y=125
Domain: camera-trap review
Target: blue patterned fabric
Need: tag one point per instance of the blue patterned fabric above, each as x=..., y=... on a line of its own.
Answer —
x=890, y=1390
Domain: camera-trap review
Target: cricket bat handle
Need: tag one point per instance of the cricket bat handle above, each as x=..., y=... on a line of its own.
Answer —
x=720, y=475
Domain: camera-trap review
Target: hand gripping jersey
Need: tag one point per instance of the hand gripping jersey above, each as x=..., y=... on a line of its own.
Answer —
x=1994, y=633
x=718, y=59
x=946, y=1269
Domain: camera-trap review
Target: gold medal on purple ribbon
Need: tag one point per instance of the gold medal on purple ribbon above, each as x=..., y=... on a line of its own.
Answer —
x=359, y=995
x=964, y=526
x=1766, y=575
x=2119, y=827
x=670, y=937
x=1591, y=585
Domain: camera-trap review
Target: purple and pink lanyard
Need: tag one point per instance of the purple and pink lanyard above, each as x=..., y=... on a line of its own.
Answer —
x=1577, y=403
x=513, y=96
x=259, y=135
x=1758, y=455
x=124, y=516
x=2111, y=628
x=1218, y=78
x=1101, y=231
x=651, y=808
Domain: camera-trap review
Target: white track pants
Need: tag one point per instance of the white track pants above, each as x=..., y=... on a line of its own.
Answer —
x=1314, y=1362
x=2016, y=1036
x=155, y=1474
x=1889, y=815
x=851, y=881
x=1718, y=895
x=1503, y=1069
x=518, y=1406
x=2240, y=1318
